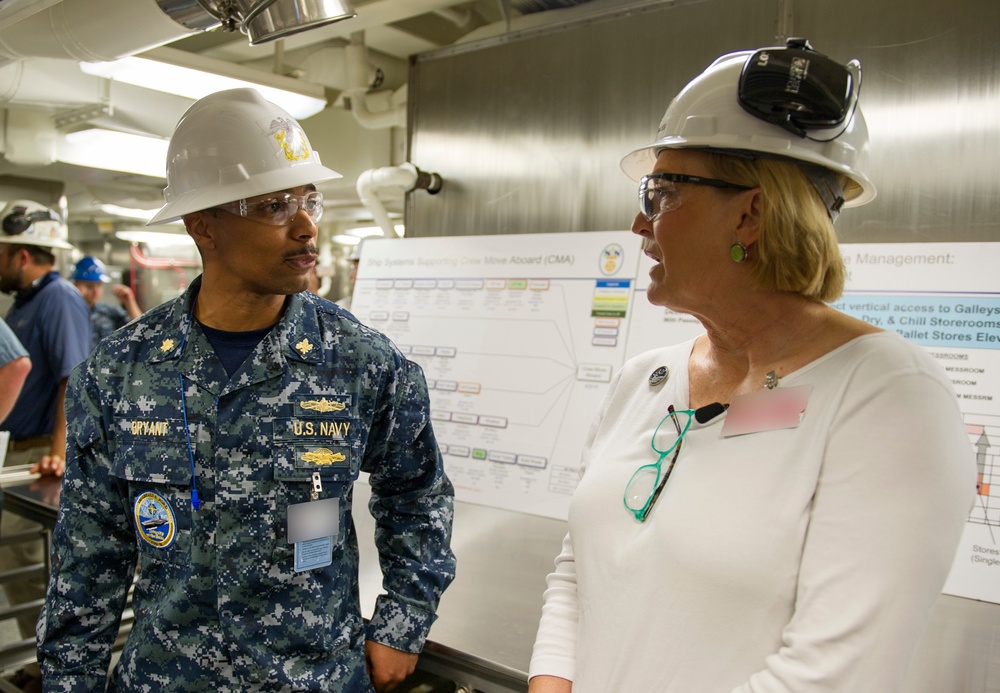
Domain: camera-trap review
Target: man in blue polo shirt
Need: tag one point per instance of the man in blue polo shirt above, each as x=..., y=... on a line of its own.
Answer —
x=51, y=320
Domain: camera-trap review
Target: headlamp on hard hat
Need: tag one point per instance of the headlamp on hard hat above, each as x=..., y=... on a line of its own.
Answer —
x=800, y=89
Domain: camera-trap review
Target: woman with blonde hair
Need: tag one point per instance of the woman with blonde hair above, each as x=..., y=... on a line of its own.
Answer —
x=774, y=505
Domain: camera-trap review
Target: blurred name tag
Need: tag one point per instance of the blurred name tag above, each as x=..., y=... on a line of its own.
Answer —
x=312, y=527
x=313, y=520
x=767, y=410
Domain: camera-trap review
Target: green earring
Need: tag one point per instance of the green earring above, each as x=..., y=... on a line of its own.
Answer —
x=737, y=252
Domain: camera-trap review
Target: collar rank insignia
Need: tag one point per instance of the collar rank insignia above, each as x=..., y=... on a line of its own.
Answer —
x=323, y=456
x=322, y=405
x=304, y=347
x=167, y=345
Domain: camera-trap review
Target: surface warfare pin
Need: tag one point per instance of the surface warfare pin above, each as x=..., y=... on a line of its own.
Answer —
x=154, y=520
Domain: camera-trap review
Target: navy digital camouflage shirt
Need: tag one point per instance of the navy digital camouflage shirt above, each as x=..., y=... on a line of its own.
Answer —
x=105, y=319
x=218, y=604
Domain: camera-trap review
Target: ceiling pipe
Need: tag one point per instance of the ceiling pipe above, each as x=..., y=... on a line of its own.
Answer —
x=78, y=30
x=405, y=176
x=48, y=83
x=359, y=78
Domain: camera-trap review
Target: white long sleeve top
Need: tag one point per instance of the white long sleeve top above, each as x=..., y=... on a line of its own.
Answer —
x=797, y=560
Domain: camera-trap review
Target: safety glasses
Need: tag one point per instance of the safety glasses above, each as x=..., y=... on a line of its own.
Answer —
x=649, y=480
x=658, y=194
x=277, y=209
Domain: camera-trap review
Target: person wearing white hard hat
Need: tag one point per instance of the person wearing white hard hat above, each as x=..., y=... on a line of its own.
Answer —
x=50, y=320
x=775, y=504
x=216, y=440
x=46, y=318
x=89, y=276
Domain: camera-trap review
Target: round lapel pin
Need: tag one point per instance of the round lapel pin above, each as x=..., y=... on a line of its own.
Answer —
x=659, y=375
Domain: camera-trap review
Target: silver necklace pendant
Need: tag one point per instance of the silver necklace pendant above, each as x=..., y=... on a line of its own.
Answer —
x=771, y=380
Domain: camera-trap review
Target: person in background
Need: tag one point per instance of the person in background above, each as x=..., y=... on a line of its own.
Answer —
x=89, y=276
x=217, y=439
x=49, y=318
x=775, y=504
x=14, y=367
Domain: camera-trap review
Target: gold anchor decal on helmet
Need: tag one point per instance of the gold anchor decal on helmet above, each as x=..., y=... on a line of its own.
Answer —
x=323, y=456
x=291, y=139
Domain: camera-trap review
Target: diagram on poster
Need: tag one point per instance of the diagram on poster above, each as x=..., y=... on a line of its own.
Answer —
x=946, y=297
x=518, y=337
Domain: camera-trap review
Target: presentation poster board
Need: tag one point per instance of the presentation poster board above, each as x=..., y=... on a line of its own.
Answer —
x=946, y=297
x=520, y=335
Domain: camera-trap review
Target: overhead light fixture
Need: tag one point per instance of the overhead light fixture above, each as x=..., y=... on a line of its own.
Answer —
x=114, y=151
x=193, y=76
x=267, y=21
x=344, y=239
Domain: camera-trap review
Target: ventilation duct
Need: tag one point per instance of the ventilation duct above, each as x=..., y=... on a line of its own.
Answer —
x=79, y=30
x=267, y=20
x=104, y=30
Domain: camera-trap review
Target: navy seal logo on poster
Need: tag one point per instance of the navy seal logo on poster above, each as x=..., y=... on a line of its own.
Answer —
x=154, y=518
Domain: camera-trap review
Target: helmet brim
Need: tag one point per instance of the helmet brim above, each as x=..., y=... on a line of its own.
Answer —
x=273, y=181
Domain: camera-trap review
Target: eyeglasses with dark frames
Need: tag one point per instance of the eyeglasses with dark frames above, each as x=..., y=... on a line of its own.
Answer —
x=658, y=192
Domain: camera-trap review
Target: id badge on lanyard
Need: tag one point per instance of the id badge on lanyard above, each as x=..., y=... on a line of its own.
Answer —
x=312, y=527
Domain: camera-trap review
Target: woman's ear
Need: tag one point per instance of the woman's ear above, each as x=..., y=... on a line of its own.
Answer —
x=748, y=229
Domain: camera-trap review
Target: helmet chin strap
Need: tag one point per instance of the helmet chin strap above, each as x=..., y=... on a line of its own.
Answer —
x=828, y=186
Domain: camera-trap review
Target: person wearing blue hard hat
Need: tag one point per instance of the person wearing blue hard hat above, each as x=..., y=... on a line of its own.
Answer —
x=90, y=275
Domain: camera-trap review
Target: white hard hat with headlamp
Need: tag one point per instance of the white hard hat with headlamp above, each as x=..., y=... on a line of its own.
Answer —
x=234, y=145
x=785, y=102
x=25, y=222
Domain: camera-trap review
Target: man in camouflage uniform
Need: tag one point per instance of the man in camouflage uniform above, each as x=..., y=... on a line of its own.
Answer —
x=216, y=440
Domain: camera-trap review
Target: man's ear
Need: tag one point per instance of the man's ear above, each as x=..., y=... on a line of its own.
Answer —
x=22, y=256
x=201, y=227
